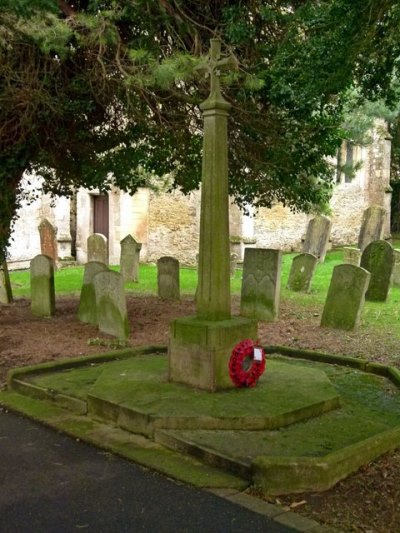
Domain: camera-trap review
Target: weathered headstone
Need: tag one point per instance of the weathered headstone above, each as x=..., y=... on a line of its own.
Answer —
x=87, y=303
x=261, y=283
x=378, y=259
x=5, y=285
x=372, y=226
x=396, y=269
x=111, y=311
x=42, y=286
x=345, y=298
x=317, y=237
x=129, y=261
x=48, y=241
x=351, y=255
x=200, y=347
x=233, y=264
x=168, y=278
x=301, y=272
x=97, y=248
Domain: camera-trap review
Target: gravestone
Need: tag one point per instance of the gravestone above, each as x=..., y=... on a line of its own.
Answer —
x=372, y=226
x=351, y=255
x=301, y=272
x=317, y=237
x=200, y=347
x=378, y=259
x=345, y=298
x=111, y=311
x=5, y=285
x=48, y=241
x=396, y=269
x=261, y=284
x=87, y=303
x=233, y=264
x=129, y=260
x=168, y=278
x=97, y=248
x=42, y=286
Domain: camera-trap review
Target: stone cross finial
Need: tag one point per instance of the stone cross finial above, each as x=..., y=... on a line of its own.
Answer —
x=214, y=65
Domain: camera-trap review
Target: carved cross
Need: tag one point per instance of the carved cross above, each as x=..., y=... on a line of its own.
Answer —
x=215, y=64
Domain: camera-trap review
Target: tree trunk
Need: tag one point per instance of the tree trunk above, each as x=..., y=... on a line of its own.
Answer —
x=9, y=187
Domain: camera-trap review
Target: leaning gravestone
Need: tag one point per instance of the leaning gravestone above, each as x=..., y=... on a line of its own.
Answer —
x=87, y=302
x=129, y=261
x=351, y=255
x=396, y=269
x=345, y=298
x=317, y=237
x=261, y=283
x=5, y=285
x=168, y=278
x=371, y=226
x=48, y=240
x=97, y=248
x=378, y=259
x=301, y=272
x=42, y=286
x=111, y=311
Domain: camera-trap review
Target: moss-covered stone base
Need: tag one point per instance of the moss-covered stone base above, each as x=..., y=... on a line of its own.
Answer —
x=288, y=434
x=199, y=350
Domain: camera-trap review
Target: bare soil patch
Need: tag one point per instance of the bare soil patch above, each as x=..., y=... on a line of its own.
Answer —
x=368, y=501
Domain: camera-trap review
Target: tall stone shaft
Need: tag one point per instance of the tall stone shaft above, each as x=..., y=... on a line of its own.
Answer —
x=213, y=291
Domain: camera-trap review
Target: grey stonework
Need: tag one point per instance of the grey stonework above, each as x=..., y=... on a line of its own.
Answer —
x=301, y=272
x=378, y=259
x=42, y=286
x=372, y=226
x=345, y=298
x=87, y=302
x=351, y=255
x=317, y=237
x=168, y=278
x=111, y=311
x=261, y=284
x=97, y=248
x=396, y=269
x=129, y=260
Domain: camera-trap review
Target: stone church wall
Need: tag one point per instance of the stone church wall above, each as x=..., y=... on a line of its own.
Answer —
x=168, y=223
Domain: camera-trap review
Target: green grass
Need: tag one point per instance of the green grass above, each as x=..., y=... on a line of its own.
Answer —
x=383, y=316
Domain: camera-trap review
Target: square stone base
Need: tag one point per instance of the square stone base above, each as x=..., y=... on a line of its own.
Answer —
x=199, y=350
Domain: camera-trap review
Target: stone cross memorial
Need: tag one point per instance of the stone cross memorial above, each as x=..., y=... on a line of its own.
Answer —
x=42, y=286
x=301, y=272
x=168, y=278
x=200, y=347
x=129, y=261
x=87, y=302
x=97, y=248
x=378, y=259
x=261, y=284
x=317, y=237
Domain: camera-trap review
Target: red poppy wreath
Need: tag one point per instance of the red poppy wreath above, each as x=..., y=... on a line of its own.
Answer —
x=246, y=364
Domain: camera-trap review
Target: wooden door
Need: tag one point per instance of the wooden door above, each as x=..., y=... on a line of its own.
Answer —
x=100, y=215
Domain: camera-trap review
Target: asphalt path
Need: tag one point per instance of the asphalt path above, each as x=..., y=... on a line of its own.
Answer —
x=50, y=482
